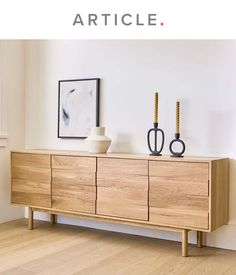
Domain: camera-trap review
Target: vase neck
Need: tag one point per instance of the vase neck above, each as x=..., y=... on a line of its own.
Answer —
x=98, y=131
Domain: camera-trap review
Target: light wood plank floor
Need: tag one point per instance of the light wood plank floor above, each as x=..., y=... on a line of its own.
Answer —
x=63, y=249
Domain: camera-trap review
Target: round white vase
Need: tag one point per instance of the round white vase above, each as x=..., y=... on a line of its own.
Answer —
x=97, y=142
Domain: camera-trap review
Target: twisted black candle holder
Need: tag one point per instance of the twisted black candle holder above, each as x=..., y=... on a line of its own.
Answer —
x=154, y=151
x=177, y=139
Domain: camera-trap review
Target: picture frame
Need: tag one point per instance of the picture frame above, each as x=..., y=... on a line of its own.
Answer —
x=78, y=107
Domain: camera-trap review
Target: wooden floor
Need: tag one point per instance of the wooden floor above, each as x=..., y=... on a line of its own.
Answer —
x=63, y=249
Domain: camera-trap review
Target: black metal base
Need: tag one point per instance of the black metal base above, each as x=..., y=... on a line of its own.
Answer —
x=154, y=151
x=178, y=140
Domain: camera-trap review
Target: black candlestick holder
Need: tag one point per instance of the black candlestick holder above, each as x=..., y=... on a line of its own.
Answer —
x=177, y=140
x=154, y=150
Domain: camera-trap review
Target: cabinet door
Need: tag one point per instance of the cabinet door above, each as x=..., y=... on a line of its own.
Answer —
x=122, y=188
x=31, y=179
x=179, y=194
x=73, y=183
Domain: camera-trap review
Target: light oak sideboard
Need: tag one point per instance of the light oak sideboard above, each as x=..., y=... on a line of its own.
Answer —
x=174, y=194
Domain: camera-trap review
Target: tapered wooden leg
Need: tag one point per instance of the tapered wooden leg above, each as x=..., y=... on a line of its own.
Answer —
x=30, y=218
x=185, y=243
x=53, y=218
x=199, y=239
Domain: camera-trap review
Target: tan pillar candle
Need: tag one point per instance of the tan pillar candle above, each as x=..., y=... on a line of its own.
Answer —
x=177, y=117
x=156, y=108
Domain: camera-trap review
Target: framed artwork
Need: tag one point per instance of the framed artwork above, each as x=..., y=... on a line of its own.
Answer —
x=78, y=107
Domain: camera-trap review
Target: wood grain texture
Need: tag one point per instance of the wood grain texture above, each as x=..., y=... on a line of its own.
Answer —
x=219, y=193
x=179, y=218
x=31, y=185
x=65, y=249
x=183, y=192
x=87, y=164
x=122, y=188
x=73, y=183
x=72, y=197
x=31, y=199
x=180, y=171
x=73, y=177
x=30, y=160
x=185, y=187
x=122, y=209
x=31, y=173
x=179, y=189
x=122, y=166
x=118, y=155
x=170, y=200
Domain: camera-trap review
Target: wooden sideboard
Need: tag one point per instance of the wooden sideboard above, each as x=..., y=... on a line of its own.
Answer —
x=175, y=194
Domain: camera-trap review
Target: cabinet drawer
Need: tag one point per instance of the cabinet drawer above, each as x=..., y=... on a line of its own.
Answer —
x=123, y=166
x=87, y=164
x=73, y=197
x=122, y=210
x=179, y=171
x=169, y=200
x=133, y=189
x=179, y=218
x=30, y=160
x=31, y=173
x=174, y=186
x=122, y=188
x=61, y=176
x=32, y=193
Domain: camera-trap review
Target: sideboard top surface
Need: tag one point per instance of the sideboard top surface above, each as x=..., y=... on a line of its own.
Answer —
x=117, y=155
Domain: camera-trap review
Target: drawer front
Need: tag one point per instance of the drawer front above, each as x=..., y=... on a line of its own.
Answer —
x=31, y=173
x=165, y=198
x=128, y=188
x=32, y=193
x=31, y=180
x=179, y=190
x=121, y=193
x=122, y=210
x=61, y=176
x=179, y=218
x=123, y=166
x=30, y=160
x=179, y=171
x=86, y=164
x=73, y=197
x=193, y=188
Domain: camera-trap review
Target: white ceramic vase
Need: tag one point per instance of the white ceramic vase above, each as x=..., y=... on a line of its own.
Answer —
x=97, y=142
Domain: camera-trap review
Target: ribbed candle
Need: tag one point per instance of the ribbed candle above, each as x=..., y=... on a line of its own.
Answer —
x=156, y=108
x=177, y=116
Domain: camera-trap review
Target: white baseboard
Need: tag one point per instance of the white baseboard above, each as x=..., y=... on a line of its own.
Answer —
x=224, y=237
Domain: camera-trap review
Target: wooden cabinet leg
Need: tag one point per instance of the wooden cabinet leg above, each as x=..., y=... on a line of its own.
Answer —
x=199, y=239
x=30, y=218
x=185, y=243
x=52, y=218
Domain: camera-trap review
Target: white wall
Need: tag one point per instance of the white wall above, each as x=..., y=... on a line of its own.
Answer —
x=201, y=74
x=13, y=123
